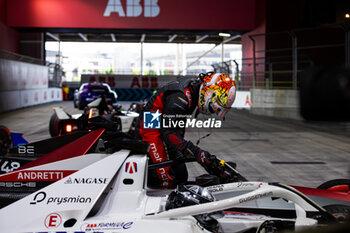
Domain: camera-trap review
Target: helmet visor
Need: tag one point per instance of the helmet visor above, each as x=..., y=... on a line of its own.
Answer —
x=221, y=111
x=222, y=102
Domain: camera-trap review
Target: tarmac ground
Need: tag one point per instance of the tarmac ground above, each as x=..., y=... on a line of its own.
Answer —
x=265, y=148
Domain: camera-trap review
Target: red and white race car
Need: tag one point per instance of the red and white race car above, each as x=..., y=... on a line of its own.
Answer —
x=100, y=192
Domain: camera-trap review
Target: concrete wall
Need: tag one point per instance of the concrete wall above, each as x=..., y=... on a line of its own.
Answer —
x=24, y=84
x=10, y=100
x=276, y=103
x=15, y=75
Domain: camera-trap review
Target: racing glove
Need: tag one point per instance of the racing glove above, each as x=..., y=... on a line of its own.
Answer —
x=224, y=170
x=214, y=166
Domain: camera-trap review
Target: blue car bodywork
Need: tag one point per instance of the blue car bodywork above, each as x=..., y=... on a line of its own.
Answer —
x=89, y=92
x=9, y=140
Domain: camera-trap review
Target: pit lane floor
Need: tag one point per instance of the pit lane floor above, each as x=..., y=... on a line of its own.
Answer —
x=264, y=148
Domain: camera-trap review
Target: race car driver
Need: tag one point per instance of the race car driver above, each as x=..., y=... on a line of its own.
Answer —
x=211, y=93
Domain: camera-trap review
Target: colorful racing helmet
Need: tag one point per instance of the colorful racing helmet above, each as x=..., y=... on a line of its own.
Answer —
x=216, y=94
x=188, y=195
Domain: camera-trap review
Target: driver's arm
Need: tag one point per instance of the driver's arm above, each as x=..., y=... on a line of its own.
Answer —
x=177, y=103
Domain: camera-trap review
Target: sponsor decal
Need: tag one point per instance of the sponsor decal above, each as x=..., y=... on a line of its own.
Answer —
x=59, y=232
x=256, y=196
x=26, y=98
x=26, y=150
x=216, y=188
x=86, y=181
x=154, y=150
x=8, y=166
x=10, y=184
x=164, y=177
x=144, y=82
x=131, y=167
x=53, y=220
x=40, y=175
x=244, y=184
x=232, y=213
x=41, y=197
x=35, y=80
x=133, y=8
x=151, y=120
x=36, y=96
x=130, y=81
x=60, y=200
x=36, y=175
x=89, y=227
x=247, y=101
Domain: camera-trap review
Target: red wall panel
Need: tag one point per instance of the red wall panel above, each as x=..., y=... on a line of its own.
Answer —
x=8, y=37
x=260, y=47
x=179, y=14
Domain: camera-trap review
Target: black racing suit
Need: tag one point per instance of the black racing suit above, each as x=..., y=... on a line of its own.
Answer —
x=176, y=98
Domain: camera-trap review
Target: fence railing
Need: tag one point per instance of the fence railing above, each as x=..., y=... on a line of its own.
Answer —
x=280, y=66
x=18, y=57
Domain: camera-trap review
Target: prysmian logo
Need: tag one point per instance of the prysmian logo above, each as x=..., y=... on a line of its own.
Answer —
x=86, y=181
x=62, y=200
x=41, y=196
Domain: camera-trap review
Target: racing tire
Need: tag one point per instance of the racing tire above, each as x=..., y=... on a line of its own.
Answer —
x=5, y=140
x=342, y=185
x=54, y=126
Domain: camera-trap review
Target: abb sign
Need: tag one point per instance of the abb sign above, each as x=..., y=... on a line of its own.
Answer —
x=130, y=81
x=132, y=14
x=133, y=8
x=139, y=82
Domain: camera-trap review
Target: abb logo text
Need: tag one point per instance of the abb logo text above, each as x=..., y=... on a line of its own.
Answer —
x=133, y=8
